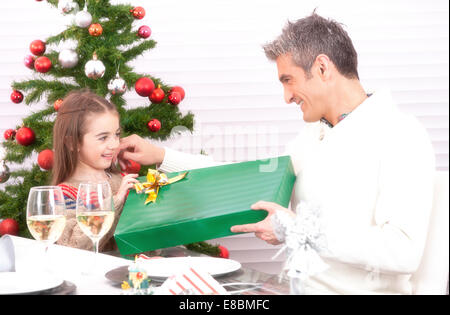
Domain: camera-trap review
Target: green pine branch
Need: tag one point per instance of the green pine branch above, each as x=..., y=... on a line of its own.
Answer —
x=38, y=87
x=138, y=50
x=204, y=248
x=135, y=120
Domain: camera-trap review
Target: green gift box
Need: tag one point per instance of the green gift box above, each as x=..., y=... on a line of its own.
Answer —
x=203, y=205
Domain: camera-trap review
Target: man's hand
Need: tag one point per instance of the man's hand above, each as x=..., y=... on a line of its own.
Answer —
x=139, y=150
x=263, y=229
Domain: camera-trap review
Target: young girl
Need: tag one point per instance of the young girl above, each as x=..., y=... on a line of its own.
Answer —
x=86, y=137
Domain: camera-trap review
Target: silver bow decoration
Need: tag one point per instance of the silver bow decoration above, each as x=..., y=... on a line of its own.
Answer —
x=304, y=240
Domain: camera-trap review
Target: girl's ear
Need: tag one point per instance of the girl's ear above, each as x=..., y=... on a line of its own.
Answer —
x=69, y=144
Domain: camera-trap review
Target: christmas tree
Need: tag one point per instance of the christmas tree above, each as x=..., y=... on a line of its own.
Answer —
x=105, y=44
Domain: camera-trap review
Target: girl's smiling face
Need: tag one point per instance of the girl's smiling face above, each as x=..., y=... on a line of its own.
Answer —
x=101, y=140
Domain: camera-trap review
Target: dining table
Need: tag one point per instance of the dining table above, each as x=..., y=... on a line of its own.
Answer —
x=85, y=273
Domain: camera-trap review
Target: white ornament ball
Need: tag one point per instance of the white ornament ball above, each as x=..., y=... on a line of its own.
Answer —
x=68, y=58
x=117, y=86
x=83, y=19
x=94, y=69
x=68, y=6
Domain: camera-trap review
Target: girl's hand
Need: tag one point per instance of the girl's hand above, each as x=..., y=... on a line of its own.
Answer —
x=127, y=183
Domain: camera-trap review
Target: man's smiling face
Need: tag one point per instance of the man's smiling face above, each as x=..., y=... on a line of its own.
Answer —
x=301, y=89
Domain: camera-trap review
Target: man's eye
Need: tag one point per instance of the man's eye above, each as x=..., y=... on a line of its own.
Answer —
x=102, y=138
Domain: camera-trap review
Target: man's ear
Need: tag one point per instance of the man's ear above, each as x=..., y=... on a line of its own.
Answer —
x=323, y=66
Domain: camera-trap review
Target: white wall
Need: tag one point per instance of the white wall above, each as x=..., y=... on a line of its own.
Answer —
x=213, y=49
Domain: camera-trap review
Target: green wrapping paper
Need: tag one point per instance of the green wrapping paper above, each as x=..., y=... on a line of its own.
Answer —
x=203, y=205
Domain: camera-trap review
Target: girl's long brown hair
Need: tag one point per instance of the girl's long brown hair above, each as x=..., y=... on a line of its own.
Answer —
x=69, y=129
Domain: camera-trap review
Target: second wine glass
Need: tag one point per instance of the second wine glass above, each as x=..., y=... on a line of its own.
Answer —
x=95, y=210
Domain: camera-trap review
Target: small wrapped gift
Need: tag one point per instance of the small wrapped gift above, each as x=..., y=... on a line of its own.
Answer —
x=203, y=205
x=138, y=282
x=191, y=281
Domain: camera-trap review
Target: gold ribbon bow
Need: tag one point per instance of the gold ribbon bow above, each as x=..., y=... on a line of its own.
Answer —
x=155, y=180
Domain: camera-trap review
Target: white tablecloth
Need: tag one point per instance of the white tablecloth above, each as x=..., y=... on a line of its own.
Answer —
x=69, y=264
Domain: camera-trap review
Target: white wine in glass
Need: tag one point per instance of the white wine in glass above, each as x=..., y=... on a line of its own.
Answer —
x=95, y=224
x=95, y=210
x=47, y=227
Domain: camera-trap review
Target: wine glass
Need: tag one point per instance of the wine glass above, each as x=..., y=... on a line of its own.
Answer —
x=46, y=214
x=95, y=210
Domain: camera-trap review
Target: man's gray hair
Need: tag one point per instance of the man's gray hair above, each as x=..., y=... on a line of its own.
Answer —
x=309, y=37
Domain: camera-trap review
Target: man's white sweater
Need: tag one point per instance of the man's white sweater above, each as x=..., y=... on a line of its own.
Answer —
x=372, y=177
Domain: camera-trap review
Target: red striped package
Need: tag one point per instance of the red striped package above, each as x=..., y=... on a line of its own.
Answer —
x=191, y=282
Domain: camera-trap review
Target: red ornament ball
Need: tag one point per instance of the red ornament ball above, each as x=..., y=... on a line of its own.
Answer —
x=144, y=86
x=57, y=104
x=138, y=12
x=178, y=89
x=16, y=97
x=144, y=31
x=157, y=95
x=37, y=47
x=45, y=159
x=28, y=61
x=223, y=252
x=42, y=64
x=132, y=167
x=9, y=226
x=174, y=98
x=9, y=134
x=25, y=136
x=154, y=125
x=95, y=30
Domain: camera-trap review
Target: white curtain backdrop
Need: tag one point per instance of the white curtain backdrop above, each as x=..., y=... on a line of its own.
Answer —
x=212, y=48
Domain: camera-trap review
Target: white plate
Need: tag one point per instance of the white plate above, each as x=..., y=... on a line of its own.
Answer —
x=165, y=267
x=27, y=282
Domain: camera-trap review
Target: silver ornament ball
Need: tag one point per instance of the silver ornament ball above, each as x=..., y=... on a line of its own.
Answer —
x=4, y=172
x=83, y=19
x=68, y=6
x=117, y=86
x=94, y=69
x=68, y=58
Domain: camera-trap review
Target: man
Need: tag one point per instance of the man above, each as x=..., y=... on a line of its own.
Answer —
x=364, y=170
